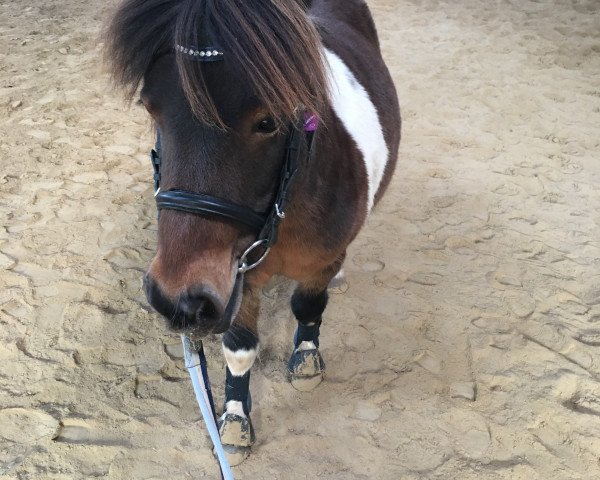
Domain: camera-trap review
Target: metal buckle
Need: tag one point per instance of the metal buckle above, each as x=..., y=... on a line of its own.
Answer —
x=243, y=264
x=280, y=214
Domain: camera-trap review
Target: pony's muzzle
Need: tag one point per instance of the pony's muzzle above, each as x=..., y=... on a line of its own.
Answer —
x=199, y=310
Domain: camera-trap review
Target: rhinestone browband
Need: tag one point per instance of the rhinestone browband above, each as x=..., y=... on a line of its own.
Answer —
x=204, y=54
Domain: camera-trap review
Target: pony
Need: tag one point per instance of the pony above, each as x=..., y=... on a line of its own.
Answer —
x=279, y=130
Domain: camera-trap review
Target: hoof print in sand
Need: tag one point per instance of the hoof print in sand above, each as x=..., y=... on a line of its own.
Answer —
x=367, y=263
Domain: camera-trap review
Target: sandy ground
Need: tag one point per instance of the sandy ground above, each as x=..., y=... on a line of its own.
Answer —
x=466, y=346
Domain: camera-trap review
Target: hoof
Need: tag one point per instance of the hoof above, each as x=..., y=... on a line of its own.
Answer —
x=237, y=437
x=306, y=369
x=338, y=284
x=306, y=384
x=236, y=455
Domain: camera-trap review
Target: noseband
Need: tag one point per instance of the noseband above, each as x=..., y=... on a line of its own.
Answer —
x=266, y=224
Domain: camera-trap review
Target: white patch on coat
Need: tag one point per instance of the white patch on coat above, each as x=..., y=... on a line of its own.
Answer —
x=235, y=407
x=240, y=361
x=356, y=111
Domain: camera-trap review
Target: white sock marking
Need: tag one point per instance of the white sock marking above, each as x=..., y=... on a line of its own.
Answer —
x=359, y=116
x=234, y=407
x=306, y=346
x=240, y=361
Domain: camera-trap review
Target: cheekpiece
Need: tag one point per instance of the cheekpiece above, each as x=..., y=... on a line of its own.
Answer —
x=201, y=54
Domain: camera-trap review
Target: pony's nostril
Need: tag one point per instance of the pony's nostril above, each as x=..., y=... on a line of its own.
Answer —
x=202, y=305
x=207, y=311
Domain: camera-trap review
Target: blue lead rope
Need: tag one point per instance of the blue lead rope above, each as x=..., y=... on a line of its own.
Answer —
x=195, y=363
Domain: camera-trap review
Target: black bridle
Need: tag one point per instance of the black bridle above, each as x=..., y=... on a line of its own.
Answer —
x=265, y=224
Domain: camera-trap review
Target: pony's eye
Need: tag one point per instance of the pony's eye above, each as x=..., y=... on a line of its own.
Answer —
x=266, y=125
x=144, y=102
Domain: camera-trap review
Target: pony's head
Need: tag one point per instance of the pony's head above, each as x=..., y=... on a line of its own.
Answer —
x=223, y=127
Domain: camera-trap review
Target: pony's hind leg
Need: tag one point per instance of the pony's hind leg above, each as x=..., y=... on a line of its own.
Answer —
x=240, y=346
x=306, y=366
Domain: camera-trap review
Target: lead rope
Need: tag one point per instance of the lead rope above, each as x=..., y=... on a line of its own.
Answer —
x=195, y=363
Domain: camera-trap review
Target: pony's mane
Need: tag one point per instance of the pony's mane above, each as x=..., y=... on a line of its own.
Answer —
x=273, y=41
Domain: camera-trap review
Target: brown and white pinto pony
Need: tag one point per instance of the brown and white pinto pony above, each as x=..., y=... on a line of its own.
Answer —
x=223, y=128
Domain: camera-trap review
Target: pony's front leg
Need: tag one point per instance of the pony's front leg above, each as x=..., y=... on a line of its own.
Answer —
x=306, y=366
x=240, y=346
